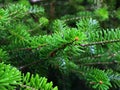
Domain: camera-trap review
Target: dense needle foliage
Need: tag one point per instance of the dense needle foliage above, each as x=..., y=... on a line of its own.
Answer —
x=59, y=45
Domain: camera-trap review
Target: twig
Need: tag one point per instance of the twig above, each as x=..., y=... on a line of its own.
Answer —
x=52, y=53
x=102, y=63
x=30, y=64
x=28, y=87
x=100, y=42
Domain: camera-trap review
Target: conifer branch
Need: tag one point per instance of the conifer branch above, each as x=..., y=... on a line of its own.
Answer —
x=102, y=55
x=30, y=64
x=19, y=36
x=71, y=19
x=52, y=53
x=102, y=63
x=35, y=28
x=28, y=87
x=100, y=43
x=28, y=48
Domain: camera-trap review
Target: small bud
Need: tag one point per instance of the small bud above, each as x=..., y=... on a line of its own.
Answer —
x=100, y=82
x=76, y=38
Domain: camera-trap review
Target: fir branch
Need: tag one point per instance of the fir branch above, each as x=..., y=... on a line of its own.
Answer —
x=100, y=42
x=28, y=48
x=102, y=63
x=30, y=64
x=28, y=87
x=101, y=55
x=74, y=18
x=20, y=49
x=25, y=49
x=35, y=28
x=14, y=13
x=77, y=71
x=19, y=36
x=52, y=53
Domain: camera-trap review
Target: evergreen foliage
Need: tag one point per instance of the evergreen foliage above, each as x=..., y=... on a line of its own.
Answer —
x=81, y=48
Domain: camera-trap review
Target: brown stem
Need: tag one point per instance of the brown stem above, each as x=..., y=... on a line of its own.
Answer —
x=30, y=64
x=102, y=63
x=100, y=42
x=29, y=48
x=52, y=53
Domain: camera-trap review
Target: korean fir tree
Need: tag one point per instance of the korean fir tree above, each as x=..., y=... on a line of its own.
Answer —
x=76, y=52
